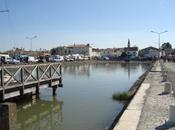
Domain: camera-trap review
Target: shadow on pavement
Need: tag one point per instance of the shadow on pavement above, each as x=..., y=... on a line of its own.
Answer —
x=166, y=126
x=163, y=93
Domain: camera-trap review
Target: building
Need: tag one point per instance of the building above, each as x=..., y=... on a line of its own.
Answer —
x=4, y=55
x=79, y=49
x=118, y=51
x=58, y=50
x=132, y=52
x=106, y=52
x=96, y=52
x=149, y=52
x=83, y=49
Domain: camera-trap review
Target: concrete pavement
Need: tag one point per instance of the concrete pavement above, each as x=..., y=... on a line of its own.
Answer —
x=149, y=108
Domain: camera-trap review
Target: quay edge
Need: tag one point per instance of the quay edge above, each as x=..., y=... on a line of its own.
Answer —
x=133, y=91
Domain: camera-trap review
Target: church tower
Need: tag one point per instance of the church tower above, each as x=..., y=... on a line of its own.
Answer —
x=128, y=43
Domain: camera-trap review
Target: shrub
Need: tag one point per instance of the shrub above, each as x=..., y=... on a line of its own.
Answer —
x=121, y=96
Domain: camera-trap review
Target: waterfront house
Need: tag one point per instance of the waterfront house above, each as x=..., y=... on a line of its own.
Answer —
x=118, y=51
x=112, y=52
x=149, y=52
x=107, y=52
x=78, y=49
x=83, y=49
x=58, y=50
x=95, y=52
x=132, y=52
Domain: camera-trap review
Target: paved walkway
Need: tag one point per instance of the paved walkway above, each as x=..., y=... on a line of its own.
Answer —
x=130, y=117
x=170, y=67
x=154, y=106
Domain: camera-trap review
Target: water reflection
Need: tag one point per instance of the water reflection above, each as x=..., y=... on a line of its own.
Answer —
x=87, y=96
x=88, y=69
x=40, y=115
x=77, y=69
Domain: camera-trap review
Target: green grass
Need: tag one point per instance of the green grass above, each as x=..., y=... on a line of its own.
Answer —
x=121, y=96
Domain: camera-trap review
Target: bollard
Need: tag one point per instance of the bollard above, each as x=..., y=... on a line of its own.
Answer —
x=167, y=87
x=172, y=114
x=8, y=116
x=163, y=73
x=165, y=77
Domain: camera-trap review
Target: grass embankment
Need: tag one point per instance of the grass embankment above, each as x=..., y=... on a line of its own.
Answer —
x=127, y=96
x=121, y=96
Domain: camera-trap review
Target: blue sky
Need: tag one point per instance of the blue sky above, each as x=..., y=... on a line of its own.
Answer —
x=102, y=23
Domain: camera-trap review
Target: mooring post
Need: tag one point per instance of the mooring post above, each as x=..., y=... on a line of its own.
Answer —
x=22, y=81
x=60, y=79
x=38, y=78
x=8, y=116
x=1, y=96
x=2, y=93
x=54, y=88
x=37, y=89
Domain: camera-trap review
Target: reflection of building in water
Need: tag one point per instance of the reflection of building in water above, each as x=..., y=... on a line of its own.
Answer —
x=131, y=68
x=41, y=115
x=129, y=71
x=88, y=69
x=83, y=70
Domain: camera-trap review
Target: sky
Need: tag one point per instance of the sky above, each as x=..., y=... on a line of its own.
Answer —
x=101, y=23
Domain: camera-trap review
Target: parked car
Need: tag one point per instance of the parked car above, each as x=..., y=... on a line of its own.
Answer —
x=14, y=61
x=68, y=58
x=10, y=60
x=105, y=58
x=32, y=59
x=56, y=58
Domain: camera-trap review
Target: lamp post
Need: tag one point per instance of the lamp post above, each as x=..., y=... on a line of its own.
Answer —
x=31, y=39
x=159, y=33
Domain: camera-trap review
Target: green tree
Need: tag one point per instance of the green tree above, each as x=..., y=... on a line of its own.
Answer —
x=123, y=54
x=166, y=46
x=53, y=51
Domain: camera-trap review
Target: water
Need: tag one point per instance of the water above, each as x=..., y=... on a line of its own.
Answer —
x=85, y=101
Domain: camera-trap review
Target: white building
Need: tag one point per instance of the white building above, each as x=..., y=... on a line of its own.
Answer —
x=4, y=55
x=132, y=52
x=78, y=49
x=95, y=52
x=82, y=49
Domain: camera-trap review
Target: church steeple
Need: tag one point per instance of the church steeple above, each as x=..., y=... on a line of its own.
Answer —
x=128, y=43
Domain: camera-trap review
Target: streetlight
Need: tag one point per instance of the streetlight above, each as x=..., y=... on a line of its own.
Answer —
x=31, y=38
x=159, y=33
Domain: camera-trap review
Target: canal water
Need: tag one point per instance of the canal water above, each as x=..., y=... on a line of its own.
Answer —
x=85, y=101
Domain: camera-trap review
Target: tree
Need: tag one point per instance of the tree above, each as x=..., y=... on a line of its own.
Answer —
x=53, y=51
x=166, y=46
x=123, y=55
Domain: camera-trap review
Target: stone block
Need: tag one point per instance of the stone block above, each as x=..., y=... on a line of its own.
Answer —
x=8, y=116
